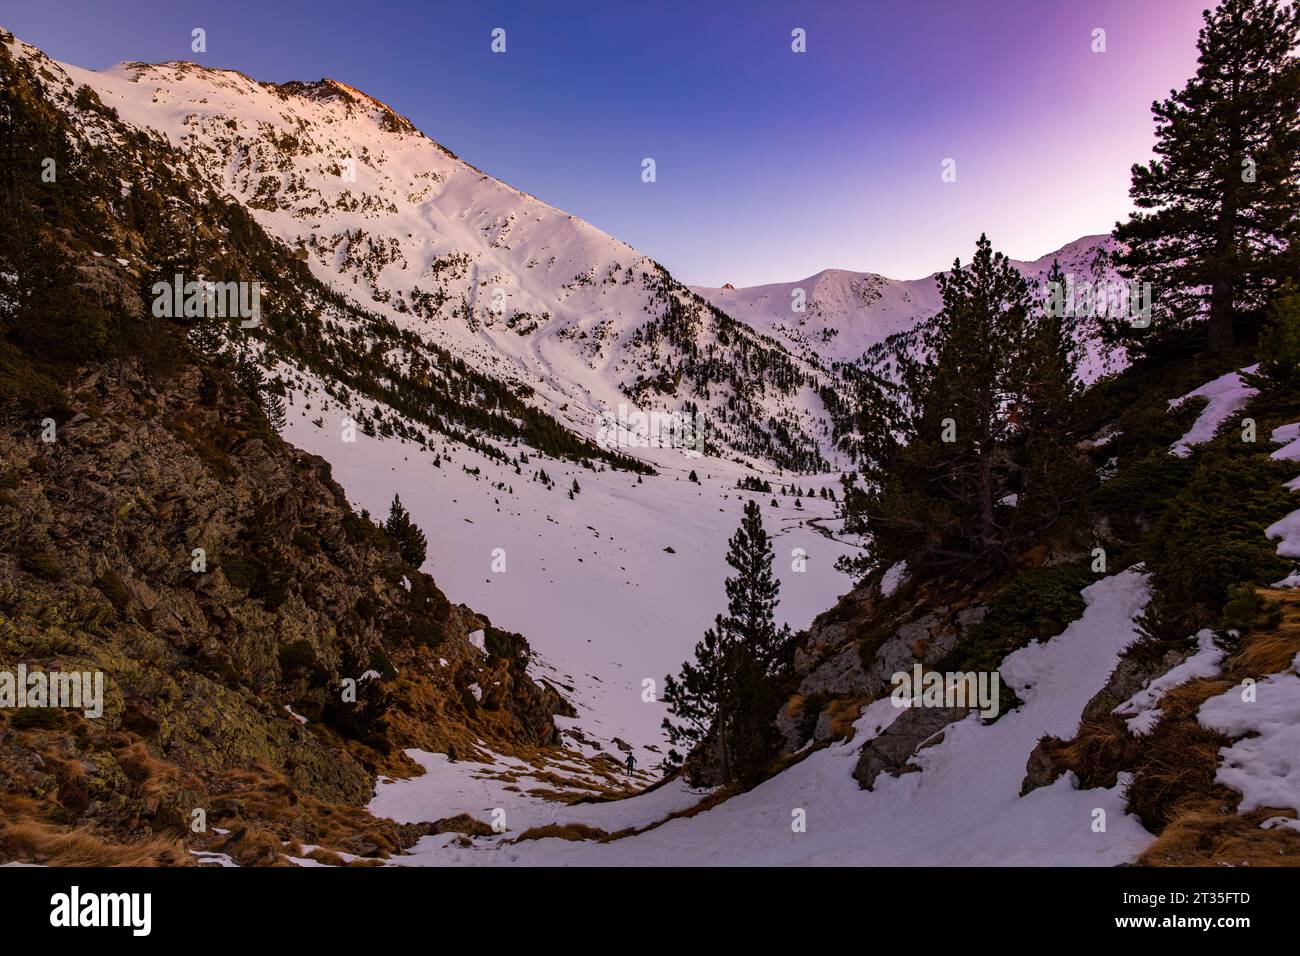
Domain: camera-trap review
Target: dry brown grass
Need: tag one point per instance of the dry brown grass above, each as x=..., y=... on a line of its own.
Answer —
x=1176, y=769
x=1174, y=790
x=34, y=841
x=1205, y=833
x=1097, y=753
x=265, y=812
x=462, y=823
x=150, y=775
x=255, y=847
x=844, y=713
x=562, y=831
x=1184, y=701
x=325, y=857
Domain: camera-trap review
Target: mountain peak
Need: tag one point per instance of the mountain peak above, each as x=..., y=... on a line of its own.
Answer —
x=329, y=89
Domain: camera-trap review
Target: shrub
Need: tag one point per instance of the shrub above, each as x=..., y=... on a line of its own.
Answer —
x=1037, y=604
x=1210, y=537
x=1279, y=344
x=1246, y=610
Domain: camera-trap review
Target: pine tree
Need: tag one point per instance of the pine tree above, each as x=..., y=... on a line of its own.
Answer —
x=1219, y=209
x=728, y=697
x=252, y=380
x=273, y=405
x=753, y=592
x=411, y=543
x=937, y=493
x=695, y=696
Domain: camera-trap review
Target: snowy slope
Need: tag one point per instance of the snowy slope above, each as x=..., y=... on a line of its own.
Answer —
x=962, y=808
x=588, y=580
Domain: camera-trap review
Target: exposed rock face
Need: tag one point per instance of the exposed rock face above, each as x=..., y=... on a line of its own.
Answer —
x=205, y=653
x=854, y=652
x=824, y=729
x=924, y=640
x=830, y=660
x=841, y=674
x=916, y=728
x=790, y=727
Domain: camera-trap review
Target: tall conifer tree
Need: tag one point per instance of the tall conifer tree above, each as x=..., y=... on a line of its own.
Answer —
x=1219, y=208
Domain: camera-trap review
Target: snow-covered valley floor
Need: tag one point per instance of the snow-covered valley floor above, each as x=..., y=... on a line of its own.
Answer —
x=612, y=587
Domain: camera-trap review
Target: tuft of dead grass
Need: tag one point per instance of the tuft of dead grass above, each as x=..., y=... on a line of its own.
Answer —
x=325, y=857
x=1097, y=753
x=34, y=841
x=1205, y=833
x=1176, y=767
x=563, y=831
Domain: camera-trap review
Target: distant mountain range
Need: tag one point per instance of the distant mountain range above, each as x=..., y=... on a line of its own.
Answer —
x=845, y=313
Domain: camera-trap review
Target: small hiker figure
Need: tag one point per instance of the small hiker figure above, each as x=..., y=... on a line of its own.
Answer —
x=631, y=763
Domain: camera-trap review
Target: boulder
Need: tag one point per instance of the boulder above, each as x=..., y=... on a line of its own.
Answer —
x=894, y=747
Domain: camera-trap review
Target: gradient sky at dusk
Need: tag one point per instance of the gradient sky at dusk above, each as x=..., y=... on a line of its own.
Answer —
x=771, y=165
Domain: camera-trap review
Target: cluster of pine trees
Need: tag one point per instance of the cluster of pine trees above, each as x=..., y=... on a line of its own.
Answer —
x=973, y=449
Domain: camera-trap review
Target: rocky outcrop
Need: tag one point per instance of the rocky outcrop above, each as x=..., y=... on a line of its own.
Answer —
x=850, y=653
x=841, y=674
x=915, y=729
x=244, y=619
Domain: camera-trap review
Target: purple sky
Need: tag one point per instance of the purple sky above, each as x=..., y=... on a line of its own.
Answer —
x=771, y=165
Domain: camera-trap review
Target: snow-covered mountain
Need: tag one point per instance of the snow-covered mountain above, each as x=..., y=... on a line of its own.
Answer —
x=525, y=293
x=614, y=583
x=520, y=290
x=838, y=315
